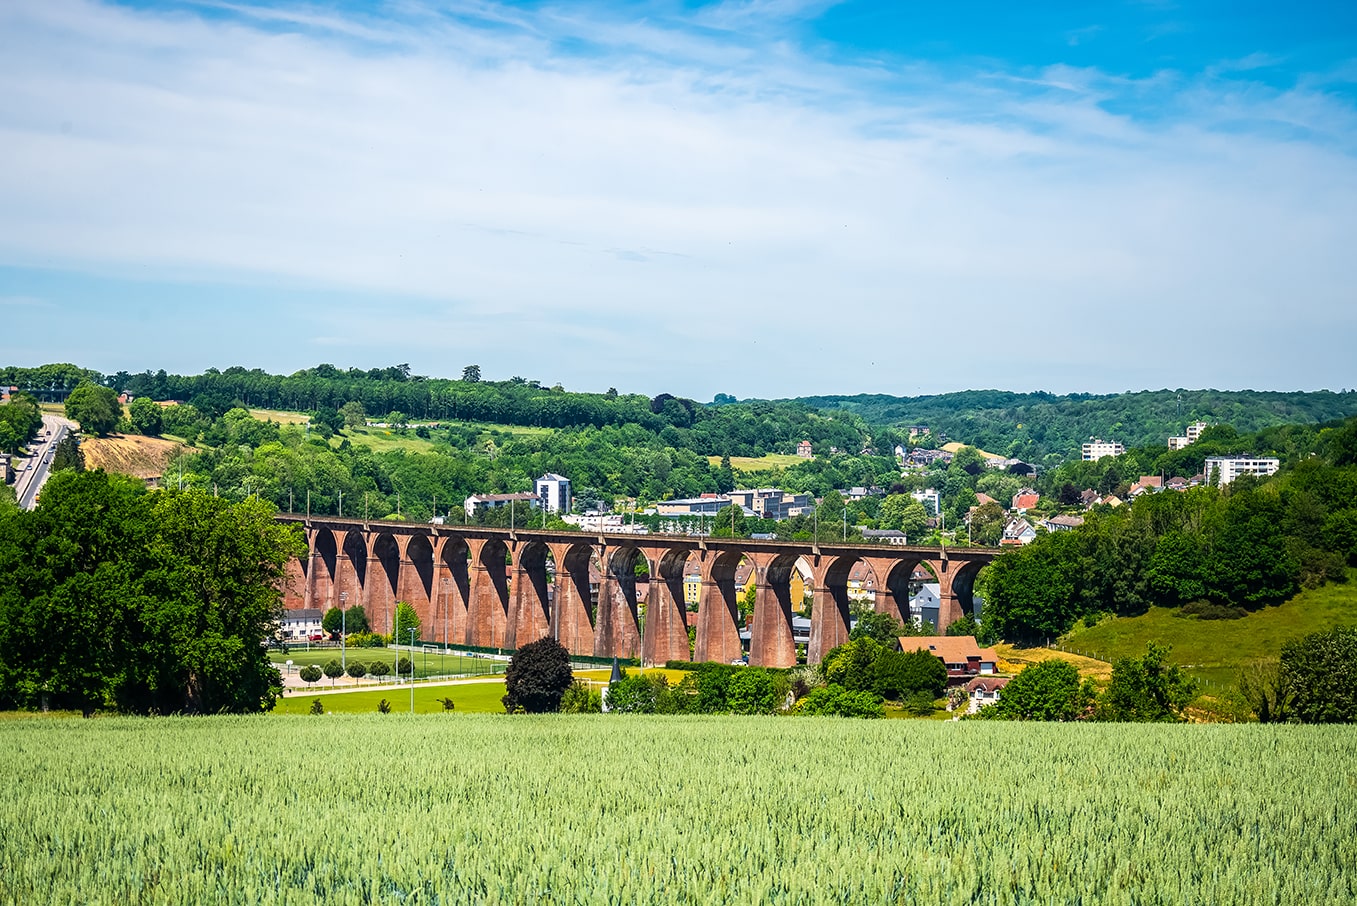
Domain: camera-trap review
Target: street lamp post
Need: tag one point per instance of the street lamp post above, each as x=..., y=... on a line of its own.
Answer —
x=344, y=630
x=412, y=670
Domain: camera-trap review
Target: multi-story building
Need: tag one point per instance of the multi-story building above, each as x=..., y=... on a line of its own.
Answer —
x=1224, y=469
x=1097, y=449
x=553, y=493
x=1194, y=431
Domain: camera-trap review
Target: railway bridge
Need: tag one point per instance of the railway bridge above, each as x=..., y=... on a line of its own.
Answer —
x=497, y=587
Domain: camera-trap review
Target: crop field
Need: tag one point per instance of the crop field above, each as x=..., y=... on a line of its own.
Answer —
x=759, y=463
x=489, y=809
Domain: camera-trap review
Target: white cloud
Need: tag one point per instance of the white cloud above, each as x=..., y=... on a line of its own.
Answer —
x=664, y=197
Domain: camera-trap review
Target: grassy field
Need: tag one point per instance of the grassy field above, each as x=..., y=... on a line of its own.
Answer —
x=384, y=440
x=280, y=416
x=759, y=463
x=129, y=454
x=1215, y=649
x=455, y=808
x=1013, y=659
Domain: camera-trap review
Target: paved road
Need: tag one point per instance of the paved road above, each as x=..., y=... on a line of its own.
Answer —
x=39, y=462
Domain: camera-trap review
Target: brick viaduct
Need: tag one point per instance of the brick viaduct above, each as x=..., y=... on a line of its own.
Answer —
x=486, y=586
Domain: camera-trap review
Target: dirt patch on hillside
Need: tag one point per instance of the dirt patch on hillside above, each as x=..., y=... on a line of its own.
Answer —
x=129, y=454
x=1013, y=659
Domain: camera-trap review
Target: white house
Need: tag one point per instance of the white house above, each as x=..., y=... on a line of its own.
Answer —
x=984, y=690
x=302, y=623
x=1018, y=531
x=491, y=501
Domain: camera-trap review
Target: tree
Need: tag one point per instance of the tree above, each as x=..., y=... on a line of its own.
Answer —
x=882, y=627
x=1262, y=685
x=1147, y=688
x=333, y=670
x=1048, y=690
x=143, y=603
x=333, y=621
x=405, y=619
x=537, y=677
x=581, y=699
x=354, y=414
x=68, y=455
x=310, y=673
x=379, y=669
x=729, y=522
x=471, y=374
x=354, y=620
x=398, y=420
x=357, y=670
x=1317, y=673
x=637, y=693
x=963, y=625
x=903, y=513
x=94, y=407
x=145, y=416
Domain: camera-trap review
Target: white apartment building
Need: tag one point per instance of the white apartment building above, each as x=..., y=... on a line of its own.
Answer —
x=553, y=493
x=1226, y=469
x=1097, y=449
x=1194, y=431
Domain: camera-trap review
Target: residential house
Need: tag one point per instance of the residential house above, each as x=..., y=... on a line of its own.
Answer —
x=803, y=450
x=1111, y=500
x=981, y=498
x=1176, y=483
x=1146, y=484
x=1062, y=523
x=302, y=623
x=929, y=498
x=1088, y=497
x=524, y=501
x=1018, y=532
x=1026, y=499
x=922, y=459
x=981, y=691
x=961, y=654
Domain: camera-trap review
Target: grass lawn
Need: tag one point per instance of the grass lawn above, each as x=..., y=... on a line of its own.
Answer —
x=384, y=440
x=1214, y=649
x=425, y=664
x=759, y=463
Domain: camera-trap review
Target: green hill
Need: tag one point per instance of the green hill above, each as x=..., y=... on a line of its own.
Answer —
x=1216, y=649
x=1034, y=425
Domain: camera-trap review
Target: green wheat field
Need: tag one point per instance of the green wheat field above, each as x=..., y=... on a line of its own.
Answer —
x=608, y=809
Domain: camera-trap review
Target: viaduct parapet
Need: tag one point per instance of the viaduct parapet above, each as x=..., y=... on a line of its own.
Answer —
x=503, y=588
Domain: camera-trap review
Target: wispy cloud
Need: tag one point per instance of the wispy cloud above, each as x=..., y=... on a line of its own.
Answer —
x=673, y=185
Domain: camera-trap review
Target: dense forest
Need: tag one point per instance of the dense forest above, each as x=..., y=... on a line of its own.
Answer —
x=1048, y=429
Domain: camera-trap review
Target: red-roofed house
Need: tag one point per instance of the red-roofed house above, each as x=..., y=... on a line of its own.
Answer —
x=1025, y=500
x=962, y=656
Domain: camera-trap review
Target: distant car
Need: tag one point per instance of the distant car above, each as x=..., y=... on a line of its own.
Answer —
x=316, y=637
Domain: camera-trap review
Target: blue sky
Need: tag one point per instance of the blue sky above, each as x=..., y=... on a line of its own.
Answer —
x=764, y=198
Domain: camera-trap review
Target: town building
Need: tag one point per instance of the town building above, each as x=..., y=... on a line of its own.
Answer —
x=803, y=450
x=553, y=493
x=1224, y=469
x=706, y=505
x=884, y=536
x=1096, y=449
x=491, y=501
x=1026, y=499
x=929, y=498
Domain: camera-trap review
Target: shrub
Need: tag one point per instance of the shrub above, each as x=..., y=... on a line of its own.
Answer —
x=636, y=694
x=317, y=707
x=384, y=707
x=448, y=704
x=310, y=673
x=1205, y=610
x=920, y=704
x=379, y=668
x=752, y=691
x=835, y=701
x=581, y=698
x=403, y=666
x=357, y=670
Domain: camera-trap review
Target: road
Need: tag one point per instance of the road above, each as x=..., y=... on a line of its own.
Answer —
x=38, y=465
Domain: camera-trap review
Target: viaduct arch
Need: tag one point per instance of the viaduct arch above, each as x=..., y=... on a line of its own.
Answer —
x=608, y=595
